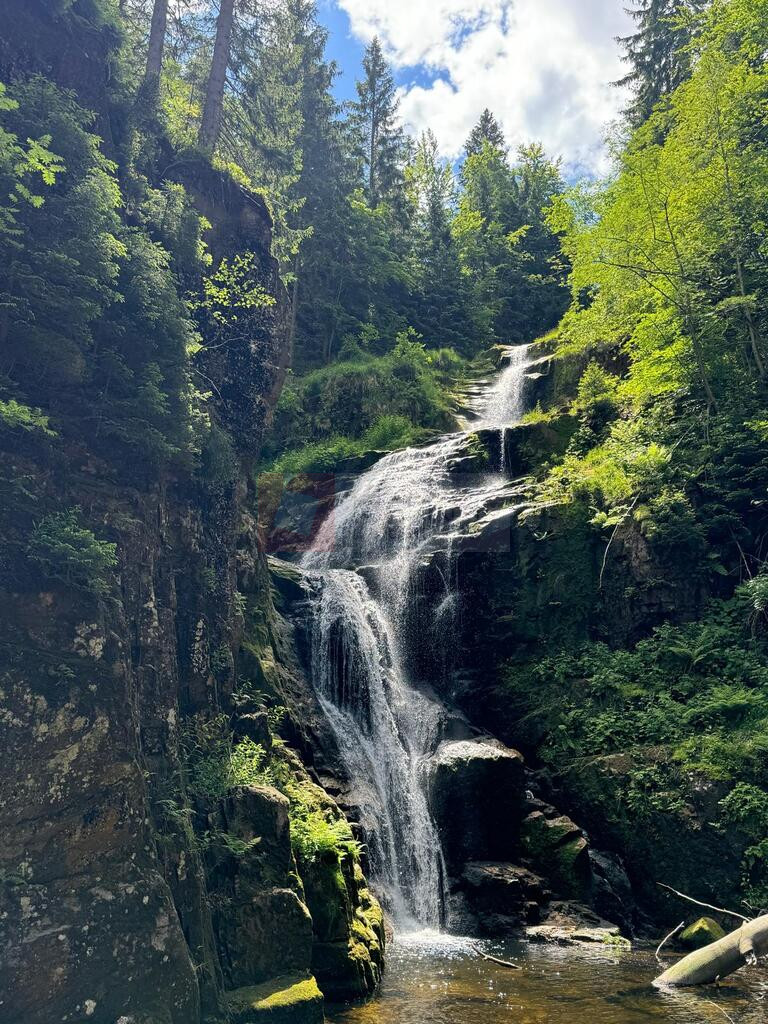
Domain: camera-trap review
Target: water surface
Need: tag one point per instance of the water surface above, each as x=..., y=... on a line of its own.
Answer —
x=439, y=980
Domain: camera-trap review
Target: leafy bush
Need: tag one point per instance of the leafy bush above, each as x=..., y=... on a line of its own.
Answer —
x=361, y=404
x=68, y=551
x=17, y=416
x=314, y=835
x=697, y=694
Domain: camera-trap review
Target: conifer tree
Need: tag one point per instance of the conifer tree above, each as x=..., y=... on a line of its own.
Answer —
x=487, y=129
x=655, y=52
x=214, y=94
x=380, y=142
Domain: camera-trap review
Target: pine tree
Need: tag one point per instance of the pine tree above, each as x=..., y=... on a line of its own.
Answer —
x=655, y=52
x=444, y=311
x=380, y=141
x=487, y=129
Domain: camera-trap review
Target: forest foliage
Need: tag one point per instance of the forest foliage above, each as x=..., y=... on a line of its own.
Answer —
x=668, y=321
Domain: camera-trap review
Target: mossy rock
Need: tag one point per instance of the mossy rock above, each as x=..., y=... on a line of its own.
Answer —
x=559, y=851
x=290, y=999
x=701, y=933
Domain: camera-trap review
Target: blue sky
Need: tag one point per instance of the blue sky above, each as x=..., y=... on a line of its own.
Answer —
x=543, y=66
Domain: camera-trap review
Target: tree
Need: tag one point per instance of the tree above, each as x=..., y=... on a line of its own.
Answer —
x=156, y=45
x=488, y=130
x=380, y=142
x=444, y=307
x=505, y=244
x=210, y=125
x=656, y=52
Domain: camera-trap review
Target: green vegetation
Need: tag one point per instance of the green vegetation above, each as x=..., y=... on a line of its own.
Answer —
x=66, y=550
x=695, y=695
x=365, y=403
x=214, y=763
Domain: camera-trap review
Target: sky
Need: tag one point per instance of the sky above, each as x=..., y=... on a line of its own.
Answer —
x=544, y=67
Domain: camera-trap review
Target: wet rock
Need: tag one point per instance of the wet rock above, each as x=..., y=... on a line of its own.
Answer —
x=494, y=898
x=612, y=895
x=291, y=999
x=475, y=792
x=700, y=934
x=569, y=923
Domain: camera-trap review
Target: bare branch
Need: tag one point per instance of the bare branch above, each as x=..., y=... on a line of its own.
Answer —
x=708, y=906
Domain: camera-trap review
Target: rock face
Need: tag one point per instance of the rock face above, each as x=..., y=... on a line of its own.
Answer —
x=262, y=925
x=124, y=894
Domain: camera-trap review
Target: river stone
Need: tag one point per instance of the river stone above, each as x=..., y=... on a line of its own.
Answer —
x=701, y=933
x=291, y=999
x=475, y=790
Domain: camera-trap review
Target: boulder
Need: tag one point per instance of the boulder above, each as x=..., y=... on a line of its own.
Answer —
x=701, y=933
x=475, y=792
x=494, y=898
x=259, y=815
x=290, y=999
x=261, y=933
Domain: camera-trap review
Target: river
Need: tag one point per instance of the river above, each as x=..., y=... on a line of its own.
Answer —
x=434, y=979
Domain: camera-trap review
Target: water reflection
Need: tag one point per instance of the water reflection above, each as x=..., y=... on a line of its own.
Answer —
x=435, y=979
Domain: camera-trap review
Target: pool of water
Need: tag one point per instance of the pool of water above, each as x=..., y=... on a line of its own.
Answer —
x=434, y=979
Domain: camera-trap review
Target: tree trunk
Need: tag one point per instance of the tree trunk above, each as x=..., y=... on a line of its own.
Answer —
x=156, y=43
x=214, y=96
x=721, y=958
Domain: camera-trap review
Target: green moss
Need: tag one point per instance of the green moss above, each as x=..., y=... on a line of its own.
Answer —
x=291, y=999
x=701, y=933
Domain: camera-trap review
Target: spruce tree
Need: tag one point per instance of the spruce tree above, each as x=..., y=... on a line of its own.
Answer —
x=656, y=53
x=487, y=129
x=379, y=138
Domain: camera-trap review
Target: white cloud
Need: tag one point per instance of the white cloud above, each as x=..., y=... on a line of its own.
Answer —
x=544, y=67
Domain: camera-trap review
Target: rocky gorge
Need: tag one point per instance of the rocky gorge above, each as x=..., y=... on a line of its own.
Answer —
x=264, y=732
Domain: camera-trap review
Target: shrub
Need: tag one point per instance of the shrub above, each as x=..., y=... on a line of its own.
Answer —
x=23, y=417
x=68, y=551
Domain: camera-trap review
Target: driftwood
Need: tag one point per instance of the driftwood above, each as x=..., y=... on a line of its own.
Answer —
x=721, y=958
x=495, y=960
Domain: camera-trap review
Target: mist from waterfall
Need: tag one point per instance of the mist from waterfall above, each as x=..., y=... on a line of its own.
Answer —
x=405, y=507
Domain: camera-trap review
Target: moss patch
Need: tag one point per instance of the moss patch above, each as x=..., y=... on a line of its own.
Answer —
x=291, y=999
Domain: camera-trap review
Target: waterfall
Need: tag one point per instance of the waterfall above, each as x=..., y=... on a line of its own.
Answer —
x=503, y=405
x=398, y=513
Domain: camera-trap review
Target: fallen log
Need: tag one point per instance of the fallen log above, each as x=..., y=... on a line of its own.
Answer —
x=719, y=959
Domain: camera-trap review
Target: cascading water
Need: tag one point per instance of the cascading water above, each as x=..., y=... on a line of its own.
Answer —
x=408, y=505
x=504, y=403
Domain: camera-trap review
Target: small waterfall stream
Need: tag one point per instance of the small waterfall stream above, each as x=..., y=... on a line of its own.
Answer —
x=405, y=507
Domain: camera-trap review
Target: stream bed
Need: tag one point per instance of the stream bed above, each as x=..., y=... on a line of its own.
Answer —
x=436, y=979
